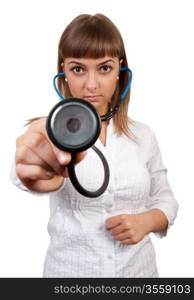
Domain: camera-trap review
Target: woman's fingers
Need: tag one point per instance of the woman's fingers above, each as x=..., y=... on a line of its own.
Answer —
x=117, y=230
x=39, y=163
x=36, y=149
x=33, y=172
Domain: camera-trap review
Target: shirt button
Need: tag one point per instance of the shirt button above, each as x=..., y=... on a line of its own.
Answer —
x=110, y=256
x=109, y=208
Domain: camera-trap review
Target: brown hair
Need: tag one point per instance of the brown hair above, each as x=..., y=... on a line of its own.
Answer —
x=95, y=36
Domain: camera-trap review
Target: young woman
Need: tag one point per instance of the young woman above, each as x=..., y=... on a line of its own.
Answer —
x=106, y=236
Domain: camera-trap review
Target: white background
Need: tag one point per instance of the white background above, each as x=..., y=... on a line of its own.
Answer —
x=158, y=36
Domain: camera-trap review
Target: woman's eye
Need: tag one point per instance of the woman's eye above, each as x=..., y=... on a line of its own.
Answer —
x=77, y=69
x=103, y=69
x=106, y=68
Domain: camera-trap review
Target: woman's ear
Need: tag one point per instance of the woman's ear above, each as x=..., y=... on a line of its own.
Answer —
x=121, y=60
x=62, y=65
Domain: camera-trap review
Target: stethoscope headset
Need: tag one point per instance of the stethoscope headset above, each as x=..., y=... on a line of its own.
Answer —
x=73, y=125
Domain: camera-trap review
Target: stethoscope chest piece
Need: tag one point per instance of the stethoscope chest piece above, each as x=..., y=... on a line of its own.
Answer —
x=73, y=125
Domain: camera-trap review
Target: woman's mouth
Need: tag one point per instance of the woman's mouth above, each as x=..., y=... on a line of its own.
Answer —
x=92, y=98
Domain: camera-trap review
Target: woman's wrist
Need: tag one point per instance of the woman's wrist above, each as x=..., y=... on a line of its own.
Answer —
x=154, y=220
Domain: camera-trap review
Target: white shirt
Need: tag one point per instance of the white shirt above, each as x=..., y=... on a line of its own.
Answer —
x=80, y=245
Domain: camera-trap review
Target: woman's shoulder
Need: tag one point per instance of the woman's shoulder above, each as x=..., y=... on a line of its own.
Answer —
x=141, y=129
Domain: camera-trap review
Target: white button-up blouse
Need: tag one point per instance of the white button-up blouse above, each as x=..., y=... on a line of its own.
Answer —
x=80, y=245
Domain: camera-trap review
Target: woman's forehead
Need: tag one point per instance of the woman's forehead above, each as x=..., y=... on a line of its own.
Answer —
x=91, y=61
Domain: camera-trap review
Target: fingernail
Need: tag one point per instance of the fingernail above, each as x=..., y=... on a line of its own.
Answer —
x=49, y=174
x=62, y=158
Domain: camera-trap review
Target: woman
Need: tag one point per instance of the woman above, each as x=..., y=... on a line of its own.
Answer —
x=107, y=236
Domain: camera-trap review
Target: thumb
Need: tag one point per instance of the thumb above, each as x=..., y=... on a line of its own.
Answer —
x=63, y=157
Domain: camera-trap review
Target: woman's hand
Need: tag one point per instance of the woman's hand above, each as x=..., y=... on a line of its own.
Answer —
x=40, y=165
x=130, y=229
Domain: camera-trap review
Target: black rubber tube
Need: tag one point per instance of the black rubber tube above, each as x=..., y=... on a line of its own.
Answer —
x=81, y=189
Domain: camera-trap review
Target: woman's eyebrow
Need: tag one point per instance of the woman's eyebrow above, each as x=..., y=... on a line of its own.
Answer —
x=106, y=61
x=75, y=62
x=82, y=64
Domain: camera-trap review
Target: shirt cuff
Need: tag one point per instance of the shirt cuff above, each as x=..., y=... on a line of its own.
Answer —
x=170, y=217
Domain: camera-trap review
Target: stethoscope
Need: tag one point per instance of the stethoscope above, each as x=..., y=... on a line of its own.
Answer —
x=73, y=125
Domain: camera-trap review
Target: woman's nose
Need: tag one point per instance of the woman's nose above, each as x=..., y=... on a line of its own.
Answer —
x=91, y=82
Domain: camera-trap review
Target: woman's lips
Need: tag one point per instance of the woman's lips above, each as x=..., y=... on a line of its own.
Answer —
x=92, y=98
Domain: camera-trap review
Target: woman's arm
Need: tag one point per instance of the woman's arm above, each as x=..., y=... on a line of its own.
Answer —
x=130, y=229
x=161, y=206
x=154, y=221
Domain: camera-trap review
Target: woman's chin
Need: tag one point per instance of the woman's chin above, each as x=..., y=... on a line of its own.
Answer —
x=100, y=110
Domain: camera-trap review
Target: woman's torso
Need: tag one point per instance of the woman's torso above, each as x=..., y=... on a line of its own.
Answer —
x=80, y=245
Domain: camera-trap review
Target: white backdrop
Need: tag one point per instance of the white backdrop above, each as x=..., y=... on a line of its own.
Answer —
x=158, y=36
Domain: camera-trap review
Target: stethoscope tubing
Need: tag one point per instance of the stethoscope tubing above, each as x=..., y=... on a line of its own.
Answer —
x=109, y=115
x=81, y=189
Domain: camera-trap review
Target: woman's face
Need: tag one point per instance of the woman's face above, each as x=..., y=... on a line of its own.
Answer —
x=92, y=79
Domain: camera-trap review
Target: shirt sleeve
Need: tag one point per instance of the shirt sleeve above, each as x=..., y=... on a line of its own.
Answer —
x=17, y=182
x=161, y=196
